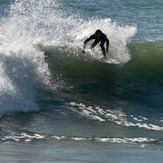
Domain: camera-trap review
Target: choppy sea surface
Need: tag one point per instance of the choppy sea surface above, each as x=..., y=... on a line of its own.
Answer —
x=59, y=105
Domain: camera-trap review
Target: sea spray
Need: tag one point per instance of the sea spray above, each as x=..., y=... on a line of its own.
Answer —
x=22, y=72
x=23, y=68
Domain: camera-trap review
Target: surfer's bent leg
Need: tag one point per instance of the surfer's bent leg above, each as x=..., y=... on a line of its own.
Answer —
x=102, y=47
x=94, y=44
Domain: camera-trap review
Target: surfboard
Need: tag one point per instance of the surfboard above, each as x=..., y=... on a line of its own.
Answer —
x=98, y=57
x=109, y=61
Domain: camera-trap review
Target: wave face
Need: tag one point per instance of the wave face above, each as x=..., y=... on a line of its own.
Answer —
x=138, y=81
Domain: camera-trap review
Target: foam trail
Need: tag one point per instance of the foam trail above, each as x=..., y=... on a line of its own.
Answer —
x=26, y=137
x=116, y=116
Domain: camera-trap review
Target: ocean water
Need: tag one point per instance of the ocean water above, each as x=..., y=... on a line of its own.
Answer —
x=59, y=105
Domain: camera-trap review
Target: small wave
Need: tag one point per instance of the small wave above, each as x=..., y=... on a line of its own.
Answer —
x=28, y=138
x=116, y=116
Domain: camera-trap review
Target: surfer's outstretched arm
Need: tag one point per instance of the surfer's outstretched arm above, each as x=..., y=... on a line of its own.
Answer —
x=87, y=40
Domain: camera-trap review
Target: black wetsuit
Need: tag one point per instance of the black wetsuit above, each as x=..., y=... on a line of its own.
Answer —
x=103, y=38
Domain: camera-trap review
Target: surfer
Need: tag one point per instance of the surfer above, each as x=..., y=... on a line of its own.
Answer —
x=98, y=36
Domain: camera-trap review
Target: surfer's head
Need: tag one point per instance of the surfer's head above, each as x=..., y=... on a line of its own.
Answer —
x=98, y=32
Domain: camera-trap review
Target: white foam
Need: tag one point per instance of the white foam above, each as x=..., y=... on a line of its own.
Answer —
x=125, y=140
x=116, y=116
x=86, y=111
x=23, y=137
x=109, y=139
